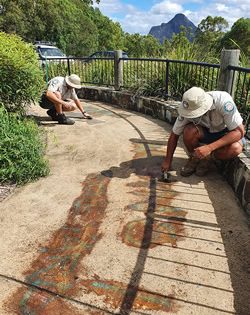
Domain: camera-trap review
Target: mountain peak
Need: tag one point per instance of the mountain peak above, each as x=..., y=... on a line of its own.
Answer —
x=167, y=30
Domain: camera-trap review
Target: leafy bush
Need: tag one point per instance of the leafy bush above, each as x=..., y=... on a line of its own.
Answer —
x=21, y=149
x=21, y=79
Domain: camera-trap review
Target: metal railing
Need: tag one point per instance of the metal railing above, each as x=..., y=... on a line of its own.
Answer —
x=163, y=78
x=168, y=78
x=93, y=71
x=241, y=93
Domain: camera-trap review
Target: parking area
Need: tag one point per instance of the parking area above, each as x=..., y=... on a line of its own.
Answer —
x=102, y=234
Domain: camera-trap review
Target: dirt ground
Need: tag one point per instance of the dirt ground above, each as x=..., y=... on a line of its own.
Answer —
x=102, y=234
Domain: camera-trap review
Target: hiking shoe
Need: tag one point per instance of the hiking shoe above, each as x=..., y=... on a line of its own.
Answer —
x=203, y=167
x=52, y=113
x=63, y=120
x=190, y=167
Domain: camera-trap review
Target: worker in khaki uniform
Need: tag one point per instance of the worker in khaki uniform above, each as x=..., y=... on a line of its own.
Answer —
x=211, y=127
x=60, y=97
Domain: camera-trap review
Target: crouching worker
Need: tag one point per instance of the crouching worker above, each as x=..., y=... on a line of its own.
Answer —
x=211, y=127
x=60, y=97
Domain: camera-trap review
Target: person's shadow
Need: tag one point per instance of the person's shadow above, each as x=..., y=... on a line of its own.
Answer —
x=45, y=121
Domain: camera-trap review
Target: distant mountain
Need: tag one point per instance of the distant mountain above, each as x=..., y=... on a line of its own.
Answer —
x=166, y=30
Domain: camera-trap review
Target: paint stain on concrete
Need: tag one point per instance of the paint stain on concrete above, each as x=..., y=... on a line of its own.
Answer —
x=163, y=210
x=159, y=205
x=114, y=291
x=163, y=232
x=56, y=267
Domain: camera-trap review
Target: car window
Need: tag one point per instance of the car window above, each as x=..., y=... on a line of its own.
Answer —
x=51, y=52
x=97, y=55
x=124, y=55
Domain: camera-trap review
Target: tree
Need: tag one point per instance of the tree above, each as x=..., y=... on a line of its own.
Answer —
x=74, y=25
x=110, y=34
x=238, y=36
x=210, y=31
x=134, y=45
x=151, y=46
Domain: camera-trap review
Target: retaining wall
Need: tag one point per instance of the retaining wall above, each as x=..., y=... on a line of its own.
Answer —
x=236, y=171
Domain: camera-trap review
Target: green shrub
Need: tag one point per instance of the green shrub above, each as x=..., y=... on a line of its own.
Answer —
x=21, y=149
x=21, y=79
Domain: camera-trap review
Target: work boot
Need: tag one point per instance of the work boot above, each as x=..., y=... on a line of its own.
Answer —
x=63, y=120
x=190, y=167
x=203, y=167
x=52, y=113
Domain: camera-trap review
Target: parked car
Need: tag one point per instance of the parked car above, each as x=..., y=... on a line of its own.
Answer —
x=106, y=54
x=48, y=50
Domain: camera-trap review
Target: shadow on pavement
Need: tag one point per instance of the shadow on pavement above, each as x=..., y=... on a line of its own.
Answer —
x=231, y=224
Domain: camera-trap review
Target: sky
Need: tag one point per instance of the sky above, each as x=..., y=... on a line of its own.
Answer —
x=138, y=16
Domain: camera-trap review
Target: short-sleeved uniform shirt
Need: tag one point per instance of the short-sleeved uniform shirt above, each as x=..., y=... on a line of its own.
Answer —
x=223, y=114
x=59, y=84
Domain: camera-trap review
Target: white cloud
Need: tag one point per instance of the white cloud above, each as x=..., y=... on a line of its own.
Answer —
x=166, y=7
x=134, y=20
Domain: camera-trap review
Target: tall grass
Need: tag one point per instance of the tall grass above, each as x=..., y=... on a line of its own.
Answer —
x=21, y=149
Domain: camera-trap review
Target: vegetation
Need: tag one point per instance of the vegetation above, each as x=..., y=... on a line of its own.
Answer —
x=79, y=29
x=21, y=82
x=21, y=149
x=21, y=79
x=238, y=36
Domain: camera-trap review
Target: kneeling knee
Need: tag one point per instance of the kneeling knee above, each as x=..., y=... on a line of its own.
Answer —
x=236, y=148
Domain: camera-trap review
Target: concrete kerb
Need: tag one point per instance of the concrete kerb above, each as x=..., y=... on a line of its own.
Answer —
x=236, y=172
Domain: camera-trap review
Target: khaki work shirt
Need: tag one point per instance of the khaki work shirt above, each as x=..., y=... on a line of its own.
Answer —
x=223, y=114
x=59, y=84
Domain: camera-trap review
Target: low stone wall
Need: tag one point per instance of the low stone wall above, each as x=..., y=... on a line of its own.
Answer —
x=236, y=171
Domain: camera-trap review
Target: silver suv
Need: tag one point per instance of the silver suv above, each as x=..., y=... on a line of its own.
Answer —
x=48, y=50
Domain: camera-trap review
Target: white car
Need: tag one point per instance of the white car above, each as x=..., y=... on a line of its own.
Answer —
x=48, y=51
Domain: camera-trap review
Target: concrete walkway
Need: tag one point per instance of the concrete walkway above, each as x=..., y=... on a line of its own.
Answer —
x=103, y=235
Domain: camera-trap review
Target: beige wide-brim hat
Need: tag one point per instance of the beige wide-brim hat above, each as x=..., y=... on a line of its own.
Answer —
x=74, y=81
x=195, y=103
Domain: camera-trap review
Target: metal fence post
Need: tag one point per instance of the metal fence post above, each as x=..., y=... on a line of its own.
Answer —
x=68, y=65
x=118, y=69
x=226, y=80
x=167, y=79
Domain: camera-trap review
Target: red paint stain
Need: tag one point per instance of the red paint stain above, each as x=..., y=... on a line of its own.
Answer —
x=56, y=267
x=114, y=292
x=162, y=233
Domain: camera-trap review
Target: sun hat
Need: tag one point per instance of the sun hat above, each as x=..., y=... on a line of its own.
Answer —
x=74, y=81
x=195, y=103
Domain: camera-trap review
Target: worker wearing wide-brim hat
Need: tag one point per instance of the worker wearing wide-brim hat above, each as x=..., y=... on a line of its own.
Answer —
x=61, y=97
x=212, y=128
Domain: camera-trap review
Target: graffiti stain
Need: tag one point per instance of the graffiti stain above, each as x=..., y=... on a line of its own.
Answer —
x=133, y=234
x=56, y=267
x=114, y=291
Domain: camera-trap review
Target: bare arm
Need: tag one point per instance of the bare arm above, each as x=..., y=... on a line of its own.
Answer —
x=79, y=105
x=171, y=146
x=53, y=98
x=231, y=137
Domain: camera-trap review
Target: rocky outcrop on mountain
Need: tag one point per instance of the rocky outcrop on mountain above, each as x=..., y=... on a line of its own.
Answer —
x=167, y=30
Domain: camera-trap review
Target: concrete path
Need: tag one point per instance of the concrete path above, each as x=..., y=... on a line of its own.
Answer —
x=103, y=235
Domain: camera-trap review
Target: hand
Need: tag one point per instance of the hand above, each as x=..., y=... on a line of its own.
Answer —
x=165, y=166
x=86, y=115
x=202, y=151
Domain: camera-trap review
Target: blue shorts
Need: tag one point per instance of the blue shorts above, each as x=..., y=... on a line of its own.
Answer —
x=210, y=137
